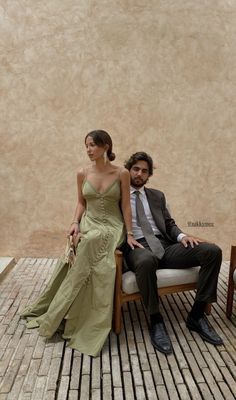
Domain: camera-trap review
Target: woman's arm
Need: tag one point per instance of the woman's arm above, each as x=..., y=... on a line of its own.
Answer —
x=74, y=228
x=125, y=199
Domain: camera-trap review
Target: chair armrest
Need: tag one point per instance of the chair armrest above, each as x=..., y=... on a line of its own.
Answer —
x=119, y=262
x=232, y=265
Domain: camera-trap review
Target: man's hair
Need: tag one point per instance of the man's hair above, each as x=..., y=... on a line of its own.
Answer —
x=140, y=156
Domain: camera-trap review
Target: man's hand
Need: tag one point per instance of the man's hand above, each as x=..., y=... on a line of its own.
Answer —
x=190, y=240
x=133, y=243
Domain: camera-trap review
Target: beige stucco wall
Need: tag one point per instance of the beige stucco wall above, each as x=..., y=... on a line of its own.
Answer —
x=159, y=76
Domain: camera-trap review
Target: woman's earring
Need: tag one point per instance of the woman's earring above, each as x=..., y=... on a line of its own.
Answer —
x=105, y=157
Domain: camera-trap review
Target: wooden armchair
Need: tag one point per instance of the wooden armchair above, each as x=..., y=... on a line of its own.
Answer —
x=231, y=282
x=169, y=281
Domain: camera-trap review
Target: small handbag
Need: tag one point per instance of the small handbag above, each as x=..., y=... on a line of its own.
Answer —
x=70, y=252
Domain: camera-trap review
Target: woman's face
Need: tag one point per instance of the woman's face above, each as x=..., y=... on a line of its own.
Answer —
x=93, y=150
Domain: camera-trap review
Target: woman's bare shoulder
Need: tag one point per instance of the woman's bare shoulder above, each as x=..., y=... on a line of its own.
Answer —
x=83, y=172
x=121, y=171
x=119, y=168
x=124, y=171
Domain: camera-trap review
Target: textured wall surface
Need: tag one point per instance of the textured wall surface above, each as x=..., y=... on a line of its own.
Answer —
x=157, y=75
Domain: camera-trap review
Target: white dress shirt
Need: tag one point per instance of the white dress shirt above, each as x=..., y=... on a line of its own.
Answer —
x=137, y=231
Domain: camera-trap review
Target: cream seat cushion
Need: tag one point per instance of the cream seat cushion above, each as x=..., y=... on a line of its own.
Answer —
x=165, y=277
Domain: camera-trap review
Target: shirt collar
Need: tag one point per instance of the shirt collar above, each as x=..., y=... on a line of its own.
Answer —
x=141, y=190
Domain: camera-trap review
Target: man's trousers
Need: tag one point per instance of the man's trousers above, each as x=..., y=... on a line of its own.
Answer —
x=144, y=264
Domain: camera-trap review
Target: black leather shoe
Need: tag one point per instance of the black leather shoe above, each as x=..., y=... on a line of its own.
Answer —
x=204, y=329
x=160, y=338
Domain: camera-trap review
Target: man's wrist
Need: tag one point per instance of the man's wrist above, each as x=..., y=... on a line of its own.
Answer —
x=181, y=236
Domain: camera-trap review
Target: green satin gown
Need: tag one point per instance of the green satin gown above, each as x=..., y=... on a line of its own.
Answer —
x=81, y=297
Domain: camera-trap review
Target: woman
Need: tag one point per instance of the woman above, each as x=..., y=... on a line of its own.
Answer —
x=79, y=299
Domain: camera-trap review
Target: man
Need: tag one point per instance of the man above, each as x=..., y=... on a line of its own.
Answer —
x=166, y=246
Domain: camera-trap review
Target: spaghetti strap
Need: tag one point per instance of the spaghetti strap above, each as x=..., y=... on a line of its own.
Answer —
x=85, y=173
x=120, y=170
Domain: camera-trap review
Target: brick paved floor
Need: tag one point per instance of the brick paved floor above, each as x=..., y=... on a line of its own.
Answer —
x=32, y=367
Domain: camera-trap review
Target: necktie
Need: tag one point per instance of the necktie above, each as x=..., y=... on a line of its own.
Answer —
x=152, y=241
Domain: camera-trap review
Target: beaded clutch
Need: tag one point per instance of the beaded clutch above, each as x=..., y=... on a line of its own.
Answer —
x=70, y=251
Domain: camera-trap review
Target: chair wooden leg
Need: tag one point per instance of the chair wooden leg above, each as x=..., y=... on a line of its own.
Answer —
x=231, y=286
x=117, y=311
x=208, y=309
x=117, y=294
x=229, y=305
x=117, y=319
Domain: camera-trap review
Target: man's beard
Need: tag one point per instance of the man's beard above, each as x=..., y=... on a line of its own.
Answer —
x=138, y=182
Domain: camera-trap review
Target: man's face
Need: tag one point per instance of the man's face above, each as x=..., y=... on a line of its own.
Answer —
x=139, y=174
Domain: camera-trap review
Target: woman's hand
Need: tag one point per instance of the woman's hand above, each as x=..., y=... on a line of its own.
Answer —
x=133, y=243
x=75, y=233
x=74, y=229
x=76, y=238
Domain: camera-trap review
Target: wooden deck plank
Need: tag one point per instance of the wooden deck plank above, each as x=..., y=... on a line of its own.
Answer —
x=183, y=391
x=96, y=375
x=118, y=394
x=190, y=382
x=67, y=360
x=45, y=361
x=170, y=386
x=128, y=386
x=75, y=373
x=31, y=376
x=140, y=393
x=227, y=393
x=116, y=371
x=136, y=371
x=63, y=387
x=107, y=386
x=175, y=371
x=3, y=396
x=124, y=352
x=212, y=384
x=16, y=388
x=32, y=367
x=39, y=388
x=149, y=385
x=53, y=374
x=73, y=395
x=85, y=387
x=143, y=359
x=195, y=370
x=49, y=395
x=205, y=392
x=155, y=370
x=10, y=376
x=211, y=364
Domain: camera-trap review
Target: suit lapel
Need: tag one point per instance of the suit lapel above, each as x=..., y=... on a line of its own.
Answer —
x=156, y=205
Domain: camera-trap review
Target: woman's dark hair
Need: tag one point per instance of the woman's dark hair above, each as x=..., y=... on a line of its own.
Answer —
x=140, y=156
x=101, y=138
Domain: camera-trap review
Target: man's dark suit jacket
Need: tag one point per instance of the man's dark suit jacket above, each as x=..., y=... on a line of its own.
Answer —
x=161, y=215
x=162, y=218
